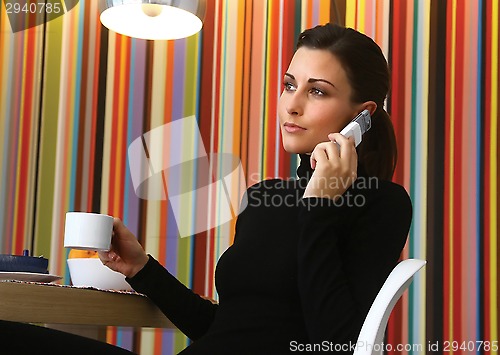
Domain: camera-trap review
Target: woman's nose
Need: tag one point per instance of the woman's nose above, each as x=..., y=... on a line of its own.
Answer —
x=294, y=105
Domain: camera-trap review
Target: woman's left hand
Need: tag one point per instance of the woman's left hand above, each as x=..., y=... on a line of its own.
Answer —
x=334, y=170
x=126, y=254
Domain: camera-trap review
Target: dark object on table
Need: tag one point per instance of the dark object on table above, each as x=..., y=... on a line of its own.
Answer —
x=23, y=263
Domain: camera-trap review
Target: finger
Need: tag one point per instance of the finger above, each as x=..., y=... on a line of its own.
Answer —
x=320, y=154
x=117, y=223
x=326, y=152
x=314, y=158
x=331, y=137
x=119, y=230
x=346, y=145
x=103, y=256
x=312, y=161
x=339, y=138
x=347, y=149
x=348, y=154
x=107, y=256
x=332, y=151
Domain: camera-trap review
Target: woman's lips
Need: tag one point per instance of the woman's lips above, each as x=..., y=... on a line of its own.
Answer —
x=292, y=127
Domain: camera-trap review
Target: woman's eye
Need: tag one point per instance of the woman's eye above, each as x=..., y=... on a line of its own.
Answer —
x=317, y=92
x=288, y=86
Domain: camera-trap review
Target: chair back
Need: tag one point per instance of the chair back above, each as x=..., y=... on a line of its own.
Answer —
x=372, y=332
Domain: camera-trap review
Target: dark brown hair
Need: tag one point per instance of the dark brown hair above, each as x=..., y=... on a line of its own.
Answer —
x=368, y=74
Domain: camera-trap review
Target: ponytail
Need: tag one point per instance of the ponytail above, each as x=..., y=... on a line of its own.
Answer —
x=377, y=153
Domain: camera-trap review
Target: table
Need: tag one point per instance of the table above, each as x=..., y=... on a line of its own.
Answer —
x=83, y=311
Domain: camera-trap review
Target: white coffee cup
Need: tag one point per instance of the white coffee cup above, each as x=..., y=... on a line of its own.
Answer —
x=89, y=231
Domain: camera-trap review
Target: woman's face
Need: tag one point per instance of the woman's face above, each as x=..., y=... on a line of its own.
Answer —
x=315, y=100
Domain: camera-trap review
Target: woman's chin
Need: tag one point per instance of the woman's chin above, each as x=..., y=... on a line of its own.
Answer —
x=296, y=150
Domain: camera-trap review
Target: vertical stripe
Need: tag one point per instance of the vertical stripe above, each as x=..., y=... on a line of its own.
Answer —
x=449, y=232
x=469, y=168
x=493, y=174
x=350, y=20
x=324, y=8
x=361, y=16
x=256, y=96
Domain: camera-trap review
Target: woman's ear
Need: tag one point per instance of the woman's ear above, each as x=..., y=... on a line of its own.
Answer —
x=370, y=106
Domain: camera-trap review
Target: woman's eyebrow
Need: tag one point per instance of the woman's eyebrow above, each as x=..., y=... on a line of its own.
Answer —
x=311, y=80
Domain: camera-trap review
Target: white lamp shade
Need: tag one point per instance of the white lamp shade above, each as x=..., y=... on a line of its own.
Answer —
x=153, y=19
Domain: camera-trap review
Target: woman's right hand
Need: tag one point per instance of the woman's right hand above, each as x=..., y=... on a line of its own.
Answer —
x=334, y=170
x=126, y=255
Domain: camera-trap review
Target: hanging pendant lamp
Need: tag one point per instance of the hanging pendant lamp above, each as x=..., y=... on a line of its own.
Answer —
x=153, y=19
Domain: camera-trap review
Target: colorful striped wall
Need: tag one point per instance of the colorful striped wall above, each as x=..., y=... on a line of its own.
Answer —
x=74, y=96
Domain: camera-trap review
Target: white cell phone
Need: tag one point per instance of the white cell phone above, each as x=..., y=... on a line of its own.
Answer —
x=358, y=126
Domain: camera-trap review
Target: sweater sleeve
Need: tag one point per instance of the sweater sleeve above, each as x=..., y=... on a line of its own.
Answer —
x=342, y=267
x=191, y=313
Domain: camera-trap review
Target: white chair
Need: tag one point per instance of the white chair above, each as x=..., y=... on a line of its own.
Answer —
x=372, y=333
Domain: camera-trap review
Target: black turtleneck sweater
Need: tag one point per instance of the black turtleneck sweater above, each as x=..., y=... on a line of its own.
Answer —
x=301, y=273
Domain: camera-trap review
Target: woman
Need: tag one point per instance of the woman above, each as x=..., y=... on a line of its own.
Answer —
x=309, y=254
